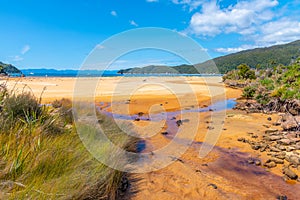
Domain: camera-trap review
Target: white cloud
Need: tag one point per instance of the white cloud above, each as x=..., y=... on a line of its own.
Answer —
x=99, y=46
x=236, y=49
x=133, y=23
x=25, y=49
x=279, y=32
x=114, y=13
x=17, y=58
x=239, y=18
x=150, y=1
x=191, y=4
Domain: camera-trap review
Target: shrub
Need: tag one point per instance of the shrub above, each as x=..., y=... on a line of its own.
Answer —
x=22, y=106
x=64, y=107
x=249, y=92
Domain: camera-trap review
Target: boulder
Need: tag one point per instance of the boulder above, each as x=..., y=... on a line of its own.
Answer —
x=273, y=137
x=274, y=149
x=289, y=173
x=284, y=142
x=271, y=130
x=293, y=159
x=270, y=164
x=276, y=160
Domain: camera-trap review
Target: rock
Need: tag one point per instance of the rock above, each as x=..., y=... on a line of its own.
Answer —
x=297, y=147
x=270, y=164
x=276, y=160
x=124, y=184
x=274, y=149
x=250, y=161
x=281, y=147
x=271, y=131
x=140, y=114
x=276, y=124
x=256, y=146
x=242, y=140
x=210, y=127
x=257, y=162
x=263, y=147
x=293, y=159
x=254, y=136
x=290, y=122
x=284, y=141
x=164, y=133
x=173, y=118
x=290, y=148
x=213, y=186
x=269, y=119
x=137, y=119
x=281, y=197
x=289, y=173
x=179, y=122
x=279, y=156
x=273, y=137
x=266, y=125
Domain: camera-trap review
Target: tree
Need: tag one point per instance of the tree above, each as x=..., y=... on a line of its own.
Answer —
x=245, y=72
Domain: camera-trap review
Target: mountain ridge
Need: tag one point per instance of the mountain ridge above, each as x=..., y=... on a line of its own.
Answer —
x=265, y=57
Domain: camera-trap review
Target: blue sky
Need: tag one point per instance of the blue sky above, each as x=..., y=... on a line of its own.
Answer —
x=61, y=33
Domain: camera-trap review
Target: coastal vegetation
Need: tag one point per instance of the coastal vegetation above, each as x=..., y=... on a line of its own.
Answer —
x=42, y=157
x=259, y=58
x=281, y=83
x=9, y=69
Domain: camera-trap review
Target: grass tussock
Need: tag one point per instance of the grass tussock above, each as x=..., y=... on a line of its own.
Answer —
x=42, y=157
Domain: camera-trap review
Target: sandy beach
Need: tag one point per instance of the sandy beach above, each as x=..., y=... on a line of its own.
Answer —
x=223, y=174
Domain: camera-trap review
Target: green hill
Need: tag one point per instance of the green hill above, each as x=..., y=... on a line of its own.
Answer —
x=260, y=57
x=256, y=58
x=9, y=69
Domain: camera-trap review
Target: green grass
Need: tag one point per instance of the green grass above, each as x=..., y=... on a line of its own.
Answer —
x=42, y=158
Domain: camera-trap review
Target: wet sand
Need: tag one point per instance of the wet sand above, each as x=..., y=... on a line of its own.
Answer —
x=223, y=174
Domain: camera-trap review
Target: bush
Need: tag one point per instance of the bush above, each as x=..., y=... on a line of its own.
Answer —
x=64, y=107
x=22, y=106
x=249, y=92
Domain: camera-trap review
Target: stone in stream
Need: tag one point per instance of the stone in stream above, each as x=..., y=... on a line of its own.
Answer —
x=179, y=122
x=250, y=161
x=257, y=162
x=289, y=173
x=140, y=114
